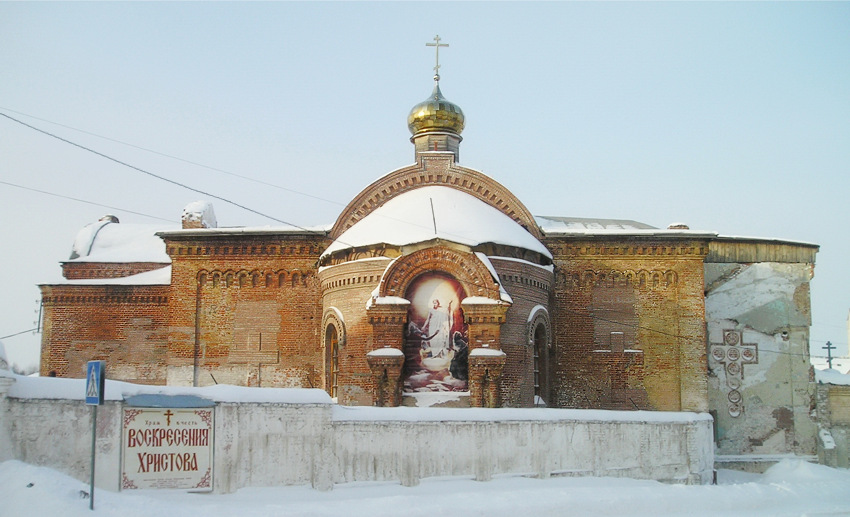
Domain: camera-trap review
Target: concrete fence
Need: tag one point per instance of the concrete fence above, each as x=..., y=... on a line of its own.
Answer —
x=273, y=437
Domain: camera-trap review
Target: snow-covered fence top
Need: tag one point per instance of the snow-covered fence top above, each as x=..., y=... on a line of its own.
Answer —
x=274, y=437
x=75, y=389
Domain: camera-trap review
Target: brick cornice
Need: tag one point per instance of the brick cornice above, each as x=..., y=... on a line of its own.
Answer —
x=241, y=245
x=611, y=248
x=385, y=313
x=214, y=278
x=477, y=313
x=104, y=299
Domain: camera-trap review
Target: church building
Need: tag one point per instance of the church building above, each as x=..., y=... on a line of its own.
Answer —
x=436, y=286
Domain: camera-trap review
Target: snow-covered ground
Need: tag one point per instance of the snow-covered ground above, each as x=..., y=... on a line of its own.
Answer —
x=790, y=488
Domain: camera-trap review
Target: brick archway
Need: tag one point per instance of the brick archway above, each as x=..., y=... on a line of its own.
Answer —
x=464, y=266
x=435, y=169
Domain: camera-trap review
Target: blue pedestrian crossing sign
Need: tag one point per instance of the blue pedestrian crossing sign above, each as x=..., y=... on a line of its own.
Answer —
x=95, y=382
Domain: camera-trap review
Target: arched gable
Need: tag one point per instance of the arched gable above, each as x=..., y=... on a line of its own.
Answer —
x=435, y=169
x=464, y=266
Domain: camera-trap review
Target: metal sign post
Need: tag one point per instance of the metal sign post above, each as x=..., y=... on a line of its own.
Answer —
x=95, y=384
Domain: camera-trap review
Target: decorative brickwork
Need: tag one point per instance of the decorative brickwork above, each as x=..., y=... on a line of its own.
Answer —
x=346, y=289
x=530, y=288
x=90, y=270
x=464, y=266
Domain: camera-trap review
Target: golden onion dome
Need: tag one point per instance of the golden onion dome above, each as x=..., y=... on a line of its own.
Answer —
x=435, y=114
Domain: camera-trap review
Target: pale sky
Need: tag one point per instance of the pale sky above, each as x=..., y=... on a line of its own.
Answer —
x=730, y=117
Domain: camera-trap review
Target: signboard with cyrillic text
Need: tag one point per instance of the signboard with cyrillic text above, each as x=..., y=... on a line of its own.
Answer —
x=168, y=448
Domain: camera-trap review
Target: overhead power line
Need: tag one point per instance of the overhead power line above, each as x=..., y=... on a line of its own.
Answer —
x=172, y=157
x=401, y=221
x=84, y=201
x=18, y=333
x=151, y=174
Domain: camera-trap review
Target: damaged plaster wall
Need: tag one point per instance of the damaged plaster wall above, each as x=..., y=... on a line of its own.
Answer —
x=761, y=389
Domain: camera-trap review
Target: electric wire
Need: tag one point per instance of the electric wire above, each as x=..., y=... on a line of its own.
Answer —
x=161, y=178
x=19, y=333
x=177, y=158
x=84, y=201
x=447, y=233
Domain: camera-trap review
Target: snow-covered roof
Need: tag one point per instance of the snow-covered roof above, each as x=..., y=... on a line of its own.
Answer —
x=107, y=241
x=831, y=376
x=246, y=230
x=766, y=240
x=411, y=218
x=552, y=225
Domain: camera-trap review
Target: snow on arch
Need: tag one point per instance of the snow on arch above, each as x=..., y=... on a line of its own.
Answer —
x=456, y=217
x=533, y=312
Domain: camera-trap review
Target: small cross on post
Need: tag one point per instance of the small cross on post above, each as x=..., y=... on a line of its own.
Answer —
x=437, y=46
x=829, y=348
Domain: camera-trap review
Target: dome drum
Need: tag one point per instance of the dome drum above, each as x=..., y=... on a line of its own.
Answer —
x=436, y=124
x=437, y=141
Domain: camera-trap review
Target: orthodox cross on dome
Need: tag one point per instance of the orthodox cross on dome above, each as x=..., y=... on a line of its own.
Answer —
x=733, y=353
x=437, y=46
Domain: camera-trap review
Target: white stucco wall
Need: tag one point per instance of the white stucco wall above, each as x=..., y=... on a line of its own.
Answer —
x=769, y=304
x=57, y=433
x=272, y=442
x=399, y=450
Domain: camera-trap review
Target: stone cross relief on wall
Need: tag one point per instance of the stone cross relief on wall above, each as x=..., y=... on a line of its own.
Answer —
x=733, y=354
x=619, y=360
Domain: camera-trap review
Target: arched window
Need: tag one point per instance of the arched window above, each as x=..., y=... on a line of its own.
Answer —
x=332, y=359
x=539, y=350
x=539, y=335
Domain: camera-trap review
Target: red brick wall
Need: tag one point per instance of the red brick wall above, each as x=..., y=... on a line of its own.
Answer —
x=123, y=325
x=245, y=310
x=347, y=288
x=528, y=286
x=652, y=291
